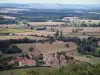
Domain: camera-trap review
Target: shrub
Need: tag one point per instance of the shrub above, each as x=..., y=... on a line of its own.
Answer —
x=67, y=45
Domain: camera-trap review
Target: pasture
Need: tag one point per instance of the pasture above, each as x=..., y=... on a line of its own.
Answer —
x=36, y=32
x=85, y=21
x=57, y=46
x=45, y=23
x=10, y=30
x=10, y=26
x=89, y=31
x=23, y=31
x=85, y=29
x=90, y=59
x=20, y=37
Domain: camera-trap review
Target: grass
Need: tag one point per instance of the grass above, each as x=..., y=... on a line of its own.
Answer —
x=86, y=21
x=87, y=58
x=92, y=60
x=19, y=71
x=47, y=48
x=9, y=30
x=20, y=37
x=46, y=23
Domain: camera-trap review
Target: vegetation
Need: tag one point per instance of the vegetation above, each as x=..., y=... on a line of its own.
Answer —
x=5, y=44
x=4, y=62
x=13, y=49
x=89, y=46
x=67, y=45
x=70, y=69
x=6, y=21
x=31, y=49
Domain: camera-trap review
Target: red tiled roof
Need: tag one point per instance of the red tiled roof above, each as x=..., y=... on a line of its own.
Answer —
x=23, y=61
x=27, y=61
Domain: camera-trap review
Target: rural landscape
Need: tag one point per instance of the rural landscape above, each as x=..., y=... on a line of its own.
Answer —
x=49, y=39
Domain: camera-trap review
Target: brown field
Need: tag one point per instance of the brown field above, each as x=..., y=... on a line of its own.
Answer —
x=59, y=46
x=46, y=23
x=48, y=48
x=45, y=33
x=20, y=37
x=92, y=59
x=92, y=21
x=9, y=26
x=31, y=23
x=14, y=30
x=85, y=29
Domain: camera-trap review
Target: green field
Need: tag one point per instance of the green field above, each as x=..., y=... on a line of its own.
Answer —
x=10, y=30
x=21, y=71
x=91, y=59
x=79, y=23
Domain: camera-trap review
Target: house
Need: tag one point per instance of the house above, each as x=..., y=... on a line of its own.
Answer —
x=70, y=19
x=23, y=61
x=40, y=28
x=53, y=60
x=62, y=60
x=27, y=62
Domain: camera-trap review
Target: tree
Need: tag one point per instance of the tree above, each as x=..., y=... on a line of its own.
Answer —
x=57, y=33
x=73, y=30
x=99, y=24
x=67, y=45
x=13, y=49
x=51, y=39
x=1, y=18
x=31, y=49
x=25, y=22
x=61, y=34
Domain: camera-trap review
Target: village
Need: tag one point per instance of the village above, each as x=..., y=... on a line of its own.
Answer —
x=37, y=58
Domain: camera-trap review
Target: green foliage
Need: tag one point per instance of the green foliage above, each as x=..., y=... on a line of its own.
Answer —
x=74, y=68
x=97, y=52
x=4, y=62
x=13, y=49
x=31, y=49
x=51, y=39
x=67, y=45
x=57, y=33
x=88, y=46
x=61, y=33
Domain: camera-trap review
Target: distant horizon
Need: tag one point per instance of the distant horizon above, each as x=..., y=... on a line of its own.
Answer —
x=52, y=1
x=49, y=3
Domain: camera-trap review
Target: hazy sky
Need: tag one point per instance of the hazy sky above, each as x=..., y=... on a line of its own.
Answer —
x=53, y=1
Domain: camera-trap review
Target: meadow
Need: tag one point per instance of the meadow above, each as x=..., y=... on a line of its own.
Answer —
x=20, y=37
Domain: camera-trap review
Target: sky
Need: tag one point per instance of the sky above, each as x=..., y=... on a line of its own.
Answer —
x=53, y=1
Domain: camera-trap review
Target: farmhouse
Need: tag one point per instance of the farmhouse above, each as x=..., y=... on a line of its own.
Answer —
x=23, y=61
x=27, y=62
x=53, y=60
x=40, y=28
x=8, y=17
x=70, y=18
